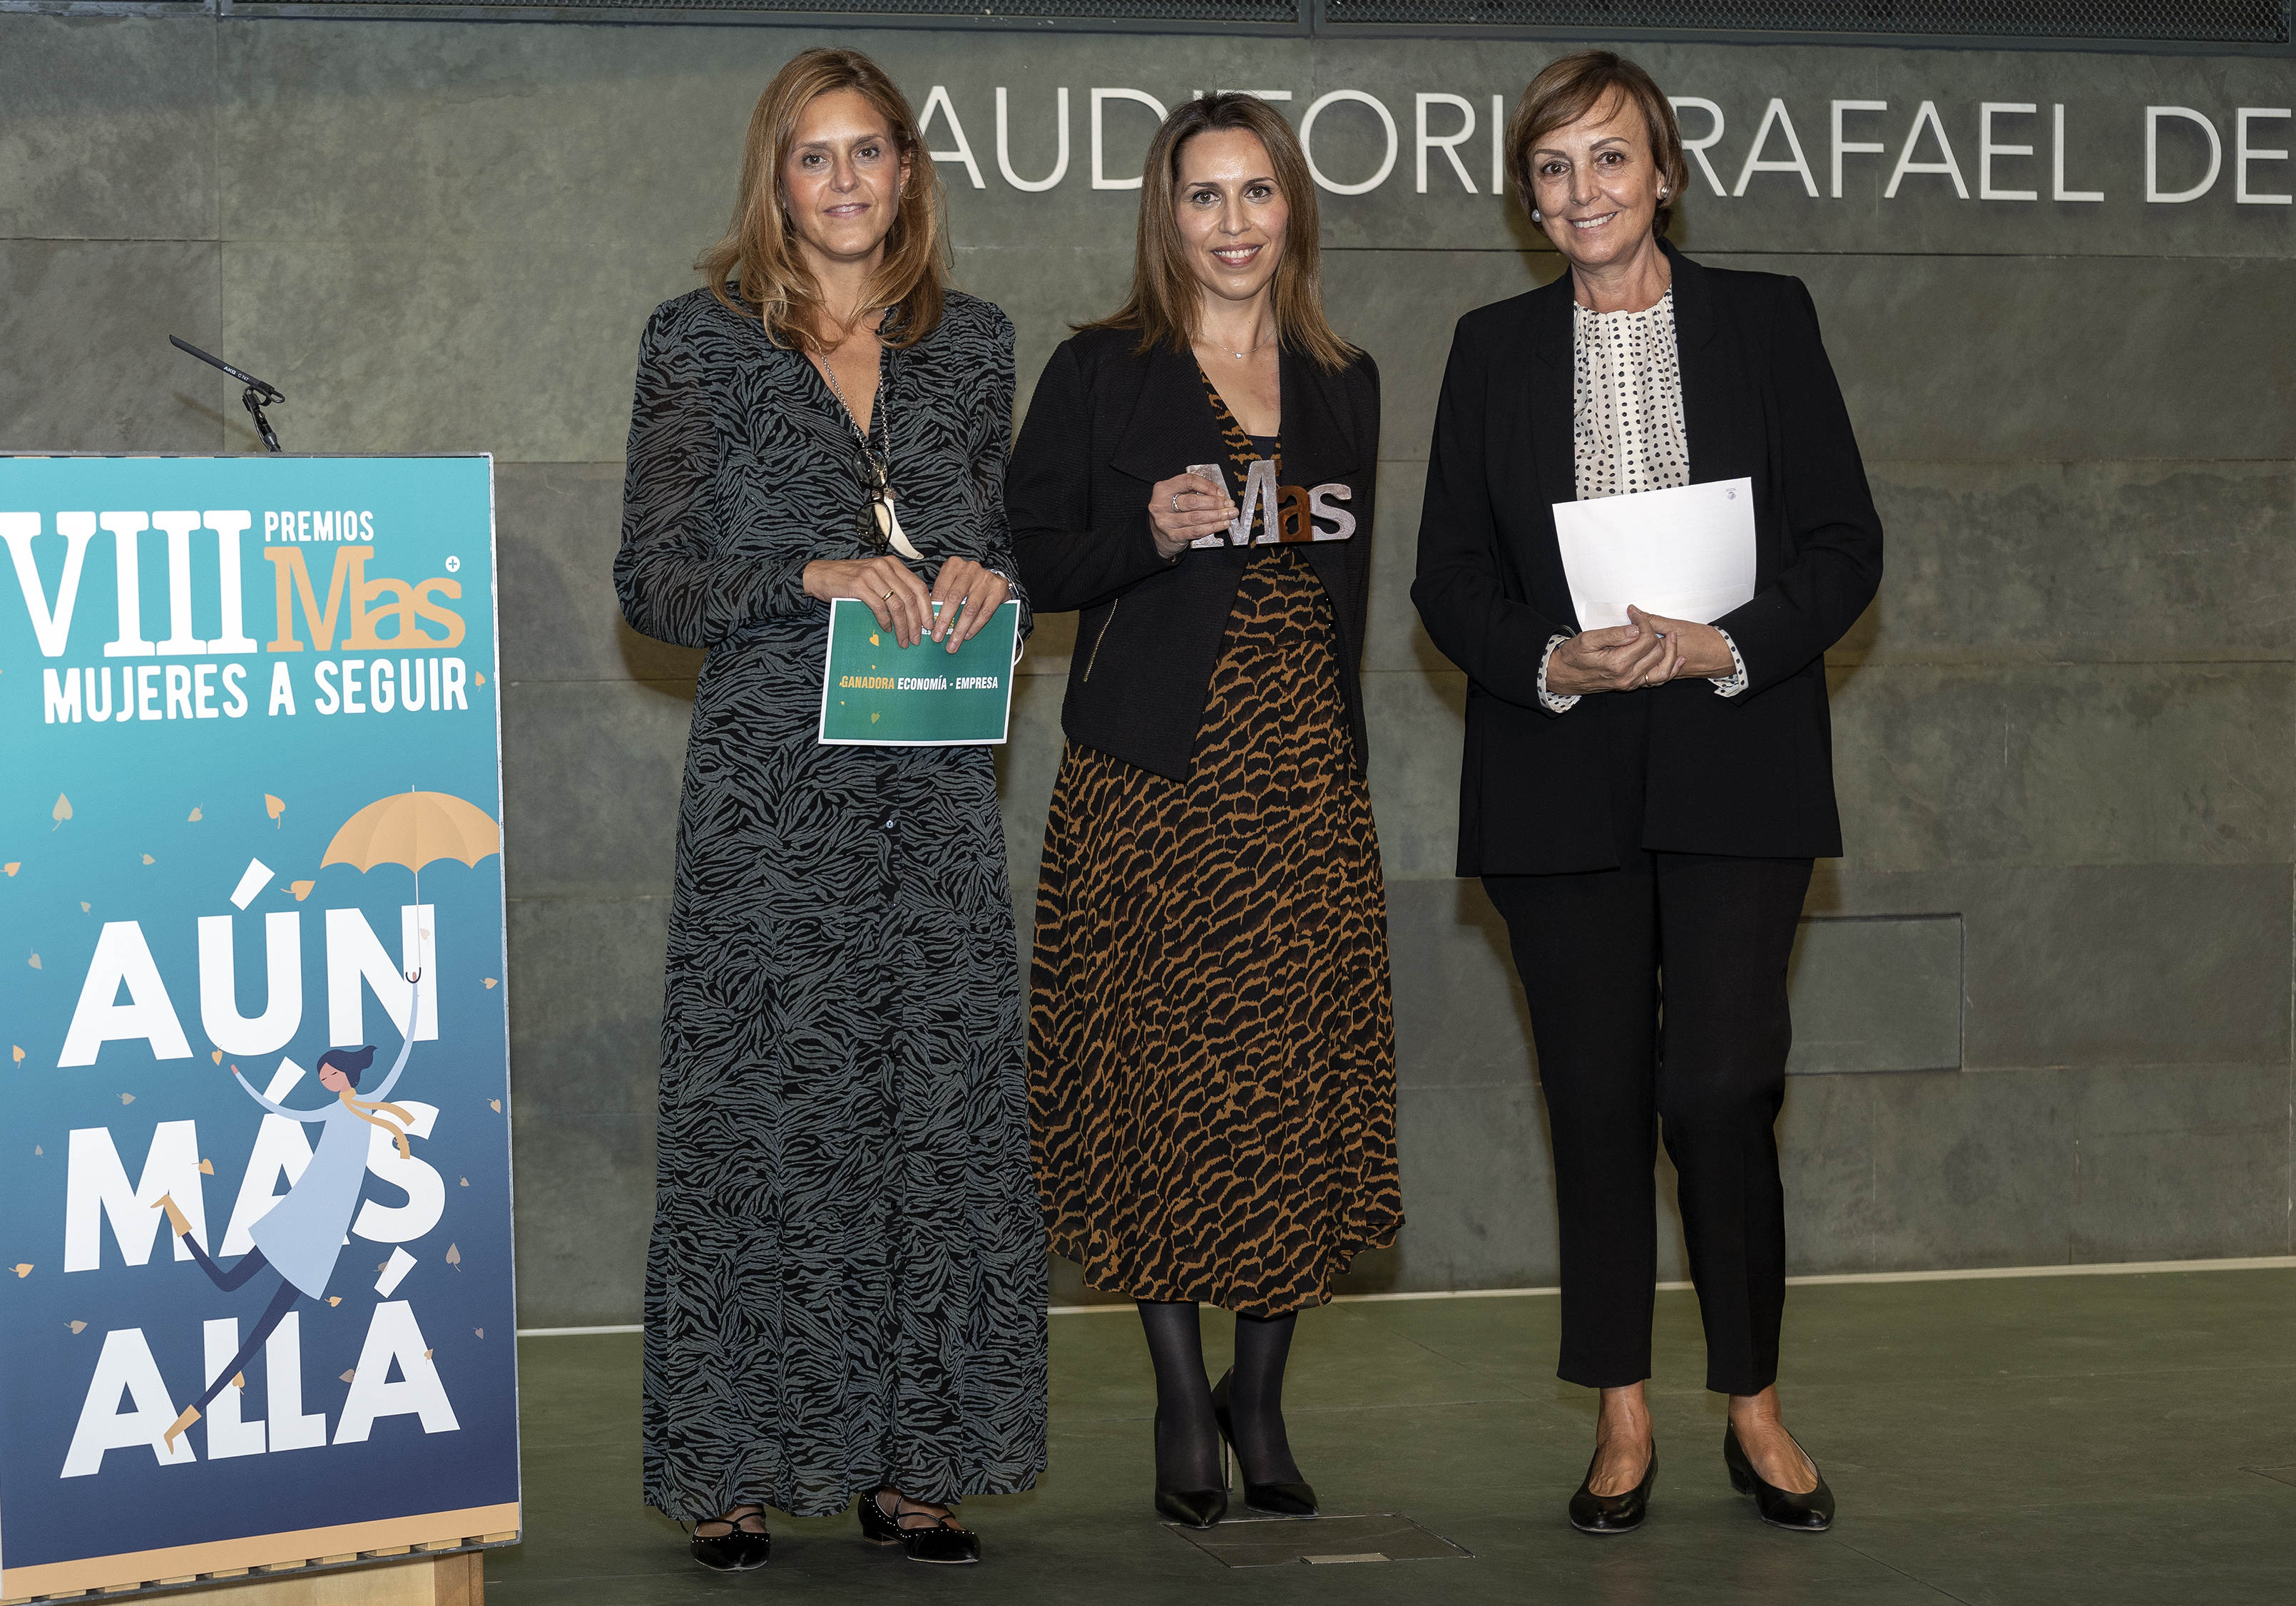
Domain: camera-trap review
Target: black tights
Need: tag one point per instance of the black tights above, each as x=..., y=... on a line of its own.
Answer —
x=1187, y=1435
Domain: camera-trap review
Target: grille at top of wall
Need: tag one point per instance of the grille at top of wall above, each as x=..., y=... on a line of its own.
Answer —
x=951, y=11
x=2024, y=24
x=2229, y=21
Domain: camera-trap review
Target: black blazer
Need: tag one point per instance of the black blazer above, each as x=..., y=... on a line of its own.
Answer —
x=1750, y=774
x=1102, y=428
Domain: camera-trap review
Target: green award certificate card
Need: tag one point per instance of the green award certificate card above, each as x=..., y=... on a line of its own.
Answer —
x=875, y=693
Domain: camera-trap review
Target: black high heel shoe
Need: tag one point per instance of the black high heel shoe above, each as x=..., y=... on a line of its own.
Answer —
x=737, y=1550
x=1808, y=1513
x=1193, y=1508
x=1275, y=1499
x=1592, y=1513
x=942, y=1541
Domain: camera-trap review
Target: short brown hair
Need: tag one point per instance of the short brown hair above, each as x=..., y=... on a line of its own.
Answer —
x=759, y=257
x=1567, y=89
x=1163, y=304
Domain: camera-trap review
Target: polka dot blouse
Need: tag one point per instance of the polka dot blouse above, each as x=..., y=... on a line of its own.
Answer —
x=1627, y=429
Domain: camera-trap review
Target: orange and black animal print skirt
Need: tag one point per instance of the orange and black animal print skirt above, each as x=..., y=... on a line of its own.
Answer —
x=1211, y=1075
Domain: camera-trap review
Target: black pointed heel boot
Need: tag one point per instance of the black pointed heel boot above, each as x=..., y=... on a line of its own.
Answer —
x=1274, y=1499
x=1810, y=1513
x=1592, y=1513
x=1193, y=1508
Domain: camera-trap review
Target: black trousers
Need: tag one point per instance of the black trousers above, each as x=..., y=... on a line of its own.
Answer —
x=1658, y=994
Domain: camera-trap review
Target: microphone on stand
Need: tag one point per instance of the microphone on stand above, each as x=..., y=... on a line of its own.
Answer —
x=257, y=395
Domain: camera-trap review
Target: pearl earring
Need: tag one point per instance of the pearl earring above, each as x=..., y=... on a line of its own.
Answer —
x=1534, y=215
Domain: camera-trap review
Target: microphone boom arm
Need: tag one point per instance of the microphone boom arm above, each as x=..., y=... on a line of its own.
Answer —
x=257, y=394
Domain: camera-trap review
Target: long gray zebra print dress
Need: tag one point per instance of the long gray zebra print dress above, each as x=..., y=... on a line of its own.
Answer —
x=845, y=1286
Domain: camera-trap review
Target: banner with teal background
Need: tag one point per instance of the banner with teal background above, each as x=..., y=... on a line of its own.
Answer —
x=249, y=708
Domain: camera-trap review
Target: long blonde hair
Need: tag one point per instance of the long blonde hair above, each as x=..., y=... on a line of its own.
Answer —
x=758, y=260
x=1165, y=299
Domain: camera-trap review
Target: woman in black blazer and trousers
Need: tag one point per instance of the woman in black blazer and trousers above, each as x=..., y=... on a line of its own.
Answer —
x=1648, y=798
x=1211, y=1044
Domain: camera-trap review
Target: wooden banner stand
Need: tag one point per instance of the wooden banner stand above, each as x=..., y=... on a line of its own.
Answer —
x=458, y=1579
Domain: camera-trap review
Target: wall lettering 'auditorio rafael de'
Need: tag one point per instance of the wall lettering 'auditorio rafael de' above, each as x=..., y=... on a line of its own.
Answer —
x=1454, y=143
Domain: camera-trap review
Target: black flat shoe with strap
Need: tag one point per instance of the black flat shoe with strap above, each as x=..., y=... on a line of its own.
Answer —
x=739, y=1549
x=1274, y=1499
x=1808, y=1513
x=941, y=1539
x=1592, y=1513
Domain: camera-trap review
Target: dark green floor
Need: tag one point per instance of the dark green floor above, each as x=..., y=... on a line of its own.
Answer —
x=2020, y=1441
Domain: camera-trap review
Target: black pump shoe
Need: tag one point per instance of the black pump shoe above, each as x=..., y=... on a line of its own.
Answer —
x=941, y=1541
x=737, y=1551
x=1275, y=1499
x=1193, y=1508
x=1592, y=1513
x=1810, y=1513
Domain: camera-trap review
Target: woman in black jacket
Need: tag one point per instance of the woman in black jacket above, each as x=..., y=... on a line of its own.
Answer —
x=1650, y=795
x=1211, y=1048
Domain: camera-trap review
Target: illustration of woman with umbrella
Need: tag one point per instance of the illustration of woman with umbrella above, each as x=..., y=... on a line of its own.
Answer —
x=301, y=1236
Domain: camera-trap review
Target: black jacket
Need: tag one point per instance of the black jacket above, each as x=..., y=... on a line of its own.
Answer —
x=1750, y=774
x=1103, y=427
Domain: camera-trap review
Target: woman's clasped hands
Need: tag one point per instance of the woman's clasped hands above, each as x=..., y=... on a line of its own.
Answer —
x=1648, y=650
x=960, y=601
x=1184, y=510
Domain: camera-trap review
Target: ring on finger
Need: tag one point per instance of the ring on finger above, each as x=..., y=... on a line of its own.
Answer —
x=1176, y=502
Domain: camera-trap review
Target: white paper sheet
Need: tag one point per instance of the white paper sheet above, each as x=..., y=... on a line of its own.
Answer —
x=1688, y=554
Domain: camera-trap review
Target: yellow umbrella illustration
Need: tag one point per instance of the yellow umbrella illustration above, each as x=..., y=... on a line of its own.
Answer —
x=412, y=829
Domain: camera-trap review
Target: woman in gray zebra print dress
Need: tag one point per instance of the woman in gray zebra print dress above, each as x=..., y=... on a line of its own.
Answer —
x=845, y=1289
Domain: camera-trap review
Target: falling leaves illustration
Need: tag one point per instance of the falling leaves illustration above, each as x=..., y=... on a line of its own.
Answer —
x=494, y=1105
x=873, y=641
x=482, y=678
x=20, y=1055
x=274, y=806
x=13, y=865
x=24, y=1268
x=335, y=1300
x=38, y=1149
x=77, y=1326
x=149, y=860
x=466, y=1182
x=128, y=1098
x=481, y=1331
x=429, y=1353
x=347, y=1376
x=490, y=982
x=873, y=718
x=239, y=1381
x=207, y=1167
x=35, y=962
x=61, y=812
x=454, y=1254
x=194, y=818
x=301, y=889
x=84, y=905
x=218, y=1056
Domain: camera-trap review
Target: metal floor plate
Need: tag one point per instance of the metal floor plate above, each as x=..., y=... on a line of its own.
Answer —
x=1320, y=1541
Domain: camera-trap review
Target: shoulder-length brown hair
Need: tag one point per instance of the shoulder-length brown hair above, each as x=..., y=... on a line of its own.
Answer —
x=757, y=259
x=1567, y=89
x=1164, y=302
